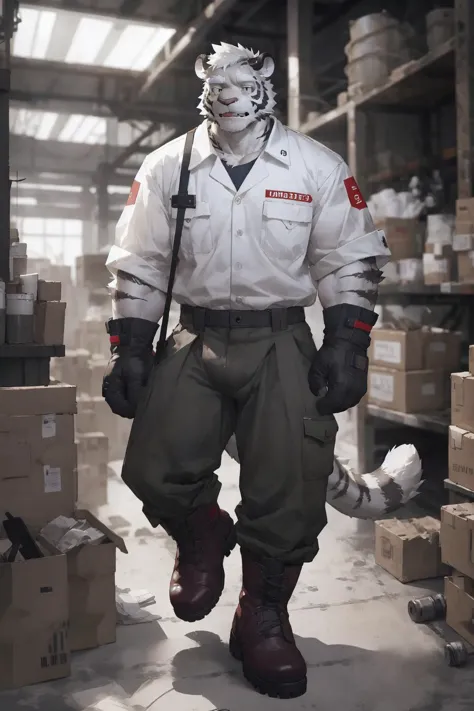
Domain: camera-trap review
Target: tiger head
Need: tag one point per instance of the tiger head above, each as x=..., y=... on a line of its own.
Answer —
x=237, y=90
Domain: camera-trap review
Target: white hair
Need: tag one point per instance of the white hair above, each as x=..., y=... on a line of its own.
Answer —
x=225, y=55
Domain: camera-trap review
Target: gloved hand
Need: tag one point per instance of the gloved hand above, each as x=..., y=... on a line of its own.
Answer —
x=131, y=346
x=341, y=364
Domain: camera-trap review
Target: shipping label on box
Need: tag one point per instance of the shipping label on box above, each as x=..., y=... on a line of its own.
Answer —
x=465, y=209
x=463, y=240
x=34, y=621
x=462, y=400
x=396, y=349
x=457, y=537
x=459, y=595
x=461, y=457
x=409, y=549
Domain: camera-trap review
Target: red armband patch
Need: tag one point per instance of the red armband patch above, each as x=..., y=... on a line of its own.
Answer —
x=132, y=198
x=114, y=340
x=355, y=196
x=362, y=326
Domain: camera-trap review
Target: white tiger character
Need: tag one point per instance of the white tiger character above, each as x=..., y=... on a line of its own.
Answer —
x=237, y=97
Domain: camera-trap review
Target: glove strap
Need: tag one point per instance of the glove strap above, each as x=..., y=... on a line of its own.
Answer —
x=131, y=332
x=349, y=322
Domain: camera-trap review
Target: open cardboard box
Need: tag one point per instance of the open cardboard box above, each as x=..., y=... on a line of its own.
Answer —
x=34, y=619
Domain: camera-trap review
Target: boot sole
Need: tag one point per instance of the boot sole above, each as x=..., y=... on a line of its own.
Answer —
x=192, y=615
x=275, y=690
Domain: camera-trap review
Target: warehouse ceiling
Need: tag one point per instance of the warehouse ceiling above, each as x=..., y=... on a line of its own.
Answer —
x=89, y=77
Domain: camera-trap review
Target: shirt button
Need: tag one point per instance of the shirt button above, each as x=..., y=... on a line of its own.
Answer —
x=238, y=265
x=238, y=200
x=240, y=233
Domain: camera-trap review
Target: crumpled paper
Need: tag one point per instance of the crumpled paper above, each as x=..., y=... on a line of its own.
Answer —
x=130, y=606
x=66, y=533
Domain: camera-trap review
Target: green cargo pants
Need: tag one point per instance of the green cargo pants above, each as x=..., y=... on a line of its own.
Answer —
x=251, y=381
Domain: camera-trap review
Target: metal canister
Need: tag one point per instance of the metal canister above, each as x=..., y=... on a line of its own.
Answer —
x=20, y=318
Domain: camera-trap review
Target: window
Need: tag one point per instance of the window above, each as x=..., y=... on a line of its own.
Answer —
x=60, y=241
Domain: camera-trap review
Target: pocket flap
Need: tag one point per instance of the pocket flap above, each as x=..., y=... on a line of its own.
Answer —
x=279, y=210
x=202, y=209
x=324, y=430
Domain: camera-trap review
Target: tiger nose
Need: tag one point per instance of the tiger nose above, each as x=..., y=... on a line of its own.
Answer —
x=228, y=102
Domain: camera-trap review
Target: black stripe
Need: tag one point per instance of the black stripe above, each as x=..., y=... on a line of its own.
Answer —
x=122, y=295
x=134, y=280
x=367, y=294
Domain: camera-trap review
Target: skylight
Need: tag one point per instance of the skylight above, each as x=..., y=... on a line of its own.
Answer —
x=78, y=38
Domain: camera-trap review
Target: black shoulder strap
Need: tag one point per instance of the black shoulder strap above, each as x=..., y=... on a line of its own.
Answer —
x=181, y=201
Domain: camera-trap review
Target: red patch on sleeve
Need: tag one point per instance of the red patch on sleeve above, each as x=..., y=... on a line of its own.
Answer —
x=355, y=196
x=132, y=198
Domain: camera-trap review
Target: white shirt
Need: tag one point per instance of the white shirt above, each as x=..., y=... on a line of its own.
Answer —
x=265, y=245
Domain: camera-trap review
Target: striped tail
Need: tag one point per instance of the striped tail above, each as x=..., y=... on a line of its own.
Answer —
x=370, y=496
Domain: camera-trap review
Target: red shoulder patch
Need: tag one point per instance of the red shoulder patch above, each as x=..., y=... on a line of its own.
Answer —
x=132, y=198
x=355, y=196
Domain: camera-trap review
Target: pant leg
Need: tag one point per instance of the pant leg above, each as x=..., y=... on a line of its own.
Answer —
x=286, y=453
x=178, y=435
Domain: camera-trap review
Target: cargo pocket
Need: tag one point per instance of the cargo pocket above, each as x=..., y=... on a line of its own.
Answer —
x=285, y=230
x=197, y=232
x=318, y=447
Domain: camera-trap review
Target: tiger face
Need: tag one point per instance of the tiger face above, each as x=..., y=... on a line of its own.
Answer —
x=237, y=91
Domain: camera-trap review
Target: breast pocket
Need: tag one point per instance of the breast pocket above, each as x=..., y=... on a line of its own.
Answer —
x=285, y=230
x=197, y=235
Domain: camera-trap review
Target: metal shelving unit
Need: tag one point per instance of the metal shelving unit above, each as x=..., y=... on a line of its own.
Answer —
x=417, y=88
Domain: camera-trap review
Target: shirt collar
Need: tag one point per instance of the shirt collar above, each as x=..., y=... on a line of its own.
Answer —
x=277, y=145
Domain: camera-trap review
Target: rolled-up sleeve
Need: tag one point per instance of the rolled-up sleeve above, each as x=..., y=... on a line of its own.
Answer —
x=142, y=243
x=342, y=230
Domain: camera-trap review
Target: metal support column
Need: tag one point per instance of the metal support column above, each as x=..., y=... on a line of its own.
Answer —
x=103, y=206
x=7, y=14
x=300, y=69
x=465, y=96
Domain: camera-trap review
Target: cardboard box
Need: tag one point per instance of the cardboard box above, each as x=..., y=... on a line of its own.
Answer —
x=91, y=271
x=437, y=270
x=457, y=536
x=41, y=430
x=49, y=290
x=441, y=349
x=459, y=594
x=461, y=457
x=466, y=267
x=74, y=369
x=471, y=360
x=50, y=317
x=37, y=481
x=462, y=400
x=94, y=415
x=92, y=485
x=411, y=392
x=400, y=350
x=410, y=271
x=93, y=448
x=409, y=549
x=463, y=240
x=465, y=209
x=34, y=642
x=91, y=578
x=438, y=249
x=38, y=400
x=404, y=237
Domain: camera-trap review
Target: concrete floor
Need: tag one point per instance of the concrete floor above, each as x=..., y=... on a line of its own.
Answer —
x=363, y=652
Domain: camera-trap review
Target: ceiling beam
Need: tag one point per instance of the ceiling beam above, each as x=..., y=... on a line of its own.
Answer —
x=167, y=132
x=104, y=108
x=163, y=19
x=196, y=31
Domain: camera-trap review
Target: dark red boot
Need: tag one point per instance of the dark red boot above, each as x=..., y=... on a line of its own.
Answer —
x=203, y=540
x=261, y=637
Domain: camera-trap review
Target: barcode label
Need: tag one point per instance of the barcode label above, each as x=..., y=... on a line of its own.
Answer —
x=48, y=427
x=57, y=650
x=52, y=479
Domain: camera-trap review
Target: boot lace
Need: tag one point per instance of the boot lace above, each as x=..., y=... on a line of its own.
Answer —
x=270, y=612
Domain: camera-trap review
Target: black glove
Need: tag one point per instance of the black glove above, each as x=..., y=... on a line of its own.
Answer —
x=131, y=346
x=341, y=364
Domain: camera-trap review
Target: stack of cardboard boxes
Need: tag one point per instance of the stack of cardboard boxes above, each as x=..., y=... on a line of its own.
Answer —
x=438, y=265
x=405, y=238
x=463, y=242
x=409, y=368
x=57, y=603
x=457, y=520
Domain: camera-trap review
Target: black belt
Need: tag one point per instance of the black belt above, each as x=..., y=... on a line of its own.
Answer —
x=277, y=319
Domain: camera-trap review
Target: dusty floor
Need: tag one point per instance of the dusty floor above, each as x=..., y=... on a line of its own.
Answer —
x=363, y=652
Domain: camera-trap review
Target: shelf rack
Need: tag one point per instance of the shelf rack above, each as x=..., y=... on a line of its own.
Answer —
x=418, y=88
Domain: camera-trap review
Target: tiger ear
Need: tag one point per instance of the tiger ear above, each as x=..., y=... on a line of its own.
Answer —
x=263, y=64
x=199, y=67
